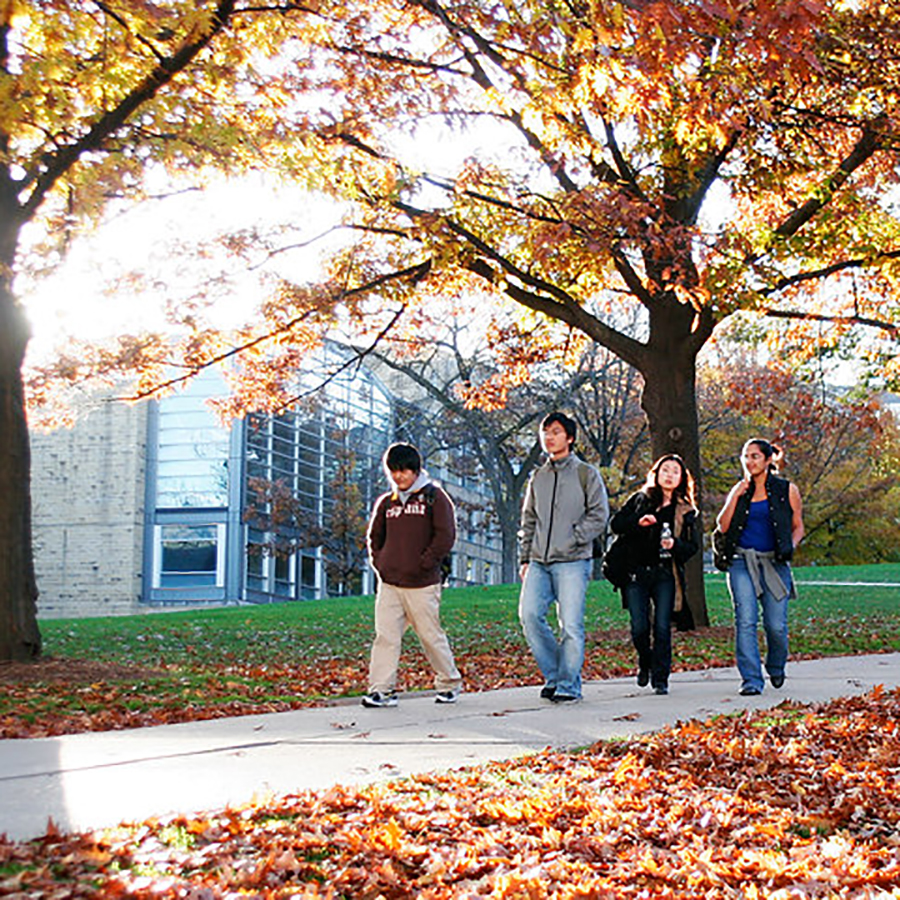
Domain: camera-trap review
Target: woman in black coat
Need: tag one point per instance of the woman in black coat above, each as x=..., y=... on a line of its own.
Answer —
x=658, y=529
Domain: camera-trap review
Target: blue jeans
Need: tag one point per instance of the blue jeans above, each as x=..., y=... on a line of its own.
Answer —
x=650, y=597
x=565, y=584
x=746, y=623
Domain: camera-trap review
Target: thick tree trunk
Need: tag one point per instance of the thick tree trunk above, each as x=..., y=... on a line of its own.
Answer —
x=669, y=400
x=20, y=638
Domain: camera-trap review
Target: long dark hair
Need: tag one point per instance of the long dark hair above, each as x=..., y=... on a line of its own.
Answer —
x=772, y=452
x=685, y=489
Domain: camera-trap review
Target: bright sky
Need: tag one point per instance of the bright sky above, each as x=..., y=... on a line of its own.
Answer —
x=159, y=238
x=151, y=238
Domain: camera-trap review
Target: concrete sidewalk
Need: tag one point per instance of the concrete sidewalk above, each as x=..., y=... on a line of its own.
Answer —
x=88, y=781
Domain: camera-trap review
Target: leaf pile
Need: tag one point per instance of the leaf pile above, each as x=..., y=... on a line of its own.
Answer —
x=800, y=801
x=67, y=696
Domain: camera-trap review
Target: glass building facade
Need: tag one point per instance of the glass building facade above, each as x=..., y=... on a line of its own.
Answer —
x=273, y=507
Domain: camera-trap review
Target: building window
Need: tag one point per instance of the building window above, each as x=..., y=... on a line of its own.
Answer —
x=256, y=561
x=192, y=468
x=189, y=556
x=284, y=575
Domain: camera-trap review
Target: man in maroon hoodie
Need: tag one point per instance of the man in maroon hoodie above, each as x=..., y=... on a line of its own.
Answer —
x=412, y=529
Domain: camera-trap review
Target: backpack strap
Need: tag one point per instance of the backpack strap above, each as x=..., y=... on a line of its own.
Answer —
x=598, y=548
x=430, y=492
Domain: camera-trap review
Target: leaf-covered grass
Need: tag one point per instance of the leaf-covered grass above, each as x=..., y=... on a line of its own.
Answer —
x=119, y=672
x=799, y=801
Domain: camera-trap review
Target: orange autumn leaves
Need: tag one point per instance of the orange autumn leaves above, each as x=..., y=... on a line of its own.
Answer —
x=792, y=802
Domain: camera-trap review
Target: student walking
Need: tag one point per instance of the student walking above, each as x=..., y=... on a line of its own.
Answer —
x=564, y=509
x=761, y=524
x=411, y=530
x=657, y=528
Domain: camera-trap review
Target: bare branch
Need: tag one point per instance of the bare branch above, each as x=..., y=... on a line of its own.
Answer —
x=891, y=328
x=815, y=274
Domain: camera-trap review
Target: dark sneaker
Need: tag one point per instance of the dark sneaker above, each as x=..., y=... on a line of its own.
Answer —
x=750, y=691
x=447, y=696
x=377, y=699
x=777, y=681
x=643, y=677
x=661, y=689
x=564, y=698
x=547, y=692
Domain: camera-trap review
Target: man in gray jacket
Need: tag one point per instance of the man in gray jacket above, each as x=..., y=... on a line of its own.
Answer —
x=565, y=508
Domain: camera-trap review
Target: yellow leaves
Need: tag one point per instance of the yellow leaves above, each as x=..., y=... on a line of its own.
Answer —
x=584, y=40
x=390, y=835
x=628, y=770
x=13, y=12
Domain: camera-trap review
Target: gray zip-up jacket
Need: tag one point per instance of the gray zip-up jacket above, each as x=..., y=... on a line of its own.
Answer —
x=563, y=511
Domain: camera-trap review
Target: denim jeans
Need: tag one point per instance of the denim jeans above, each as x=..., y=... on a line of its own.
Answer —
x=650, y=597
x=565, y=584
x=746, y=624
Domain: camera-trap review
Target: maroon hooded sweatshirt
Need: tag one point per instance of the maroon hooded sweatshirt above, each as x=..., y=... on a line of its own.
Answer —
x=408, y=540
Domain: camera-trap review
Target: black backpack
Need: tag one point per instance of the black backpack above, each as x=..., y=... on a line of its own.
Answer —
x=447, y=562
x=598, y=547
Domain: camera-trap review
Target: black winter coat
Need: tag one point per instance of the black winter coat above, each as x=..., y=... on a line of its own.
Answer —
x=642, y=542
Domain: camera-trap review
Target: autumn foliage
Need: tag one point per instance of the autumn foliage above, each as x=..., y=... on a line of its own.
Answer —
x=840, y=446
x=792, y=802
x=689, y=160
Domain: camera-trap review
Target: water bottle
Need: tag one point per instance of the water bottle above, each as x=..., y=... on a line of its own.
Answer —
x=664, y=535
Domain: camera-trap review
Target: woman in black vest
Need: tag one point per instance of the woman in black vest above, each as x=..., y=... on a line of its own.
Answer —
x=762, y=521
x=657, y=530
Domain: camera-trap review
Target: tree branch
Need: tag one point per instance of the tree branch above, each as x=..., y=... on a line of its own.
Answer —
x=826, y=271
x=891, y=328
x=116, y=17
x=414, y=273
x=867, y=145
x=58, y=163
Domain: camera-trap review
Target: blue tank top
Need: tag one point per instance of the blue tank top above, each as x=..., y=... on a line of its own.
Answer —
x=759, y=533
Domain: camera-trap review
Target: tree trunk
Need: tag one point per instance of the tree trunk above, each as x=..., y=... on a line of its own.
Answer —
x=509, y=530
x=20, y=638
x=669, y=400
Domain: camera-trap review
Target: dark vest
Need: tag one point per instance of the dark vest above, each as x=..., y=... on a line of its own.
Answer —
x=780, y=512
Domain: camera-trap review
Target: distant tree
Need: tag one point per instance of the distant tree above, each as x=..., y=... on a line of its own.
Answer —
x=841, y=448
x=285, y=523
x=344, y=536
x=606, y=404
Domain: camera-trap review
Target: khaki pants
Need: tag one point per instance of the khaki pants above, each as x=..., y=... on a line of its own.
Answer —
x=397, y=608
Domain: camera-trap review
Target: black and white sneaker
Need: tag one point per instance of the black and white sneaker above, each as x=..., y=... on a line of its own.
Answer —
x=447, y=696
x=377, y=699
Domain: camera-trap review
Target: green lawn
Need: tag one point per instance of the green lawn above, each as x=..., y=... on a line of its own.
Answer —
x=478, y=619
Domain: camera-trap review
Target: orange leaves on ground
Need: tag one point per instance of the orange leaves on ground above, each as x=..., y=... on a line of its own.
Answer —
x=678, y=814
x=68, y=696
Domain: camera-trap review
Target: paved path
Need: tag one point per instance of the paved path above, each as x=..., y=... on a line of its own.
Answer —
x=86, y=781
